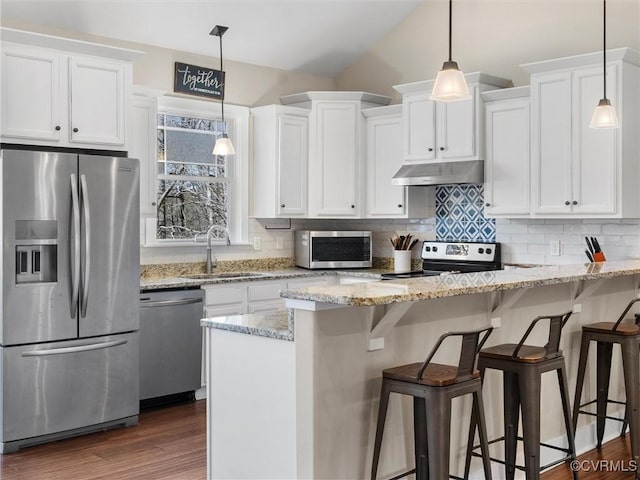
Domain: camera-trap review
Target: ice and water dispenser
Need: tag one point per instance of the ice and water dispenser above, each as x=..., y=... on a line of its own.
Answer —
x=36, y=251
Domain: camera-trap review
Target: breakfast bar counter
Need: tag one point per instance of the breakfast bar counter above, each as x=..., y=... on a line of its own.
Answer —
x=307, y=408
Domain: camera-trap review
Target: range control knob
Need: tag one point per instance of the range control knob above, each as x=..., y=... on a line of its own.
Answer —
x=481, y=250
x=427, y=249
x=435, y=249
x=489, y=251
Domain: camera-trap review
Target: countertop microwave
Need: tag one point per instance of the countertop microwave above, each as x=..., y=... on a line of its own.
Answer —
x=333, y=249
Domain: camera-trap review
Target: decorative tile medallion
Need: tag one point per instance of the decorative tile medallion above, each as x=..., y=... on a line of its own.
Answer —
x=460, y=214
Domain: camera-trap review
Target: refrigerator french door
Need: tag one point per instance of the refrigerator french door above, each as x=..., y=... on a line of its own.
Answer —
x=70, y=282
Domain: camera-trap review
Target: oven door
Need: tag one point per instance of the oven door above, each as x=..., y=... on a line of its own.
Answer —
x=340, y=249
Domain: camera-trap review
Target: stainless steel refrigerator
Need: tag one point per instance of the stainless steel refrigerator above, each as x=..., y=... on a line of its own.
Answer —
x=70, y=283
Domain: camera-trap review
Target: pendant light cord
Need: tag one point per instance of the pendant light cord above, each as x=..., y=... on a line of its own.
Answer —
x=604, y=47
x=450, y=25
x=225, y=81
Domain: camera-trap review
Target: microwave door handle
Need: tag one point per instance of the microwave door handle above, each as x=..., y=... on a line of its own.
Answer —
x=74, y=257
x=86, y=271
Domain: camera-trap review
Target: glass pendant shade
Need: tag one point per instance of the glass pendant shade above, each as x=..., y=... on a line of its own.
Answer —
x=604, y=115
x=224, y=146
x=450, y=84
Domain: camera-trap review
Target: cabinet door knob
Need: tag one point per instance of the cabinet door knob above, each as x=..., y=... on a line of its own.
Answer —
x=153, y=204
x=487, y=204
x=399, y=205
x=58, y=128
x=353, y=206
x=430, y=149
x=442, y=149
x=75, y=130
x=575, y=202
x=567, y=202
x=282, y=205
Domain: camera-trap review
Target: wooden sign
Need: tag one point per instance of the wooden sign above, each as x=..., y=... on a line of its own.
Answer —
x=201, y=81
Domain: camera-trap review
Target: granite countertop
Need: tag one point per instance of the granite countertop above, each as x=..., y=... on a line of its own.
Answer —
x=196, y=280
x=278, y=325
x=423, y=288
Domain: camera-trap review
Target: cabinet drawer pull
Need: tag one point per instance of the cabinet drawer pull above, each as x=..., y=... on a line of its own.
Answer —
x=58, y=128
x=353, y=206
x=487, y=204
x=75, y=130
x=567, y=202
x=282, y=205
x=430, y=149
x=575, y=202
x=442, y=149
x=399, y=205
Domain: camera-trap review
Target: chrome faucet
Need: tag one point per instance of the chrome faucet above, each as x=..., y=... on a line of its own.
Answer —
x=212, y=261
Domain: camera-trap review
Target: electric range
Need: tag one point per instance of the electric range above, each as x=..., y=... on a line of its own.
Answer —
x=443, y=258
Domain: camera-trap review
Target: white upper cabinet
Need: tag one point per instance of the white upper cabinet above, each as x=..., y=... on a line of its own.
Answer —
x=280, y=161
x=31, y=94
x=97, y=101
x=507, y=175
x=65, y=93
x=144, y=137
x=383, y=158
x=439, y=131
x=336, y=153
x=578, y=171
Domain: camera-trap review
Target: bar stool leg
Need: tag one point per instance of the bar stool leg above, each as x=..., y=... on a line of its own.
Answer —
x=566, y=408
x=529, y=381
x=511, y=420
x=582, y=366
x=631, y=382
x=438, y=434
x=472, y=430
x=385, y=391
x=478, y=412
x=420, y=437
x=603, y=374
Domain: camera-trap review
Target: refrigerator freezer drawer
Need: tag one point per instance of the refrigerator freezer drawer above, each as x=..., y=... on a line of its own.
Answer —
x=57, y=387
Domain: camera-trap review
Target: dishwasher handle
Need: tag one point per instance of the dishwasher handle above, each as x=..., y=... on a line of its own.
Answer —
x=145, y=303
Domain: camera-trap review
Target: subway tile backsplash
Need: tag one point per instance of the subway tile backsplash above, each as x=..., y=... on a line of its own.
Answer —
x=459, y=216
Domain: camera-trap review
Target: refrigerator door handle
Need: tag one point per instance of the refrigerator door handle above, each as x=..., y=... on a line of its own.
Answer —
x=74, y=259
x=66, y=350
x=86, y=271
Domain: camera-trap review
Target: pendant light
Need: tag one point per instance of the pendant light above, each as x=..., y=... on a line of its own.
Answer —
x=604, y=115
x=223, y=145
x=450, y=84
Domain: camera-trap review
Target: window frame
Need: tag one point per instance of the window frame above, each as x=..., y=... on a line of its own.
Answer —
x=237, y=118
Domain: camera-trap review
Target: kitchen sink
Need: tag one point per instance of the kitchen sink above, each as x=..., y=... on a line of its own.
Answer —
x=213, y=276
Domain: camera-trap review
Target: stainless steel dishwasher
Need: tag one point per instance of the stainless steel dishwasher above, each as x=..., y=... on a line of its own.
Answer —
x=170, y=345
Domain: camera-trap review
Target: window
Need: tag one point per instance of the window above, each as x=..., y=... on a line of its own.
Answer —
x=193, y=188
x=196, y=189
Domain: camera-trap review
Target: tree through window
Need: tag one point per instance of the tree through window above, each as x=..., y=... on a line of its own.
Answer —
x=193, y=186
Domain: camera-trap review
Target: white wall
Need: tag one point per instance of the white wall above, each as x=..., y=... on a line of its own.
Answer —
x=492, y=36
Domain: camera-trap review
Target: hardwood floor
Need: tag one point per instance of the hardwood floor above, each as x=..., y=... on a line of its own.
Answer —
x=167, y=444
x=170, y=444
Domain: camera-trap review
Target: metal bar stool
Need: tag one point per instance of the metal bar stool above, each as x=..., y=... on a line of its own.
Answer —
x=522, y=366
x=432, y=387
x=605, y=334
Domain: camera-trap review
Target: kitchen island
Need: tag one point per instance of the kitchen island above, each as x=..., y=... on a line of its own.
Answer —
x=327, y=388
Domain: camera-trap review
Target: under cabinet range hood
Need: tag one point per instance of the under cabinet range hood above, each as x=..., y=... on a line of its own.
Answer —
x=441, y=173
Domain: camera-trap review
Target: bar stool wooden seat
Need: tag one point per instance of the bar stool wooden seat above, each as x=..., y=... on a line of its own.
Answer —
x=606, y=334
x=433, y=386
x=522, y=366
